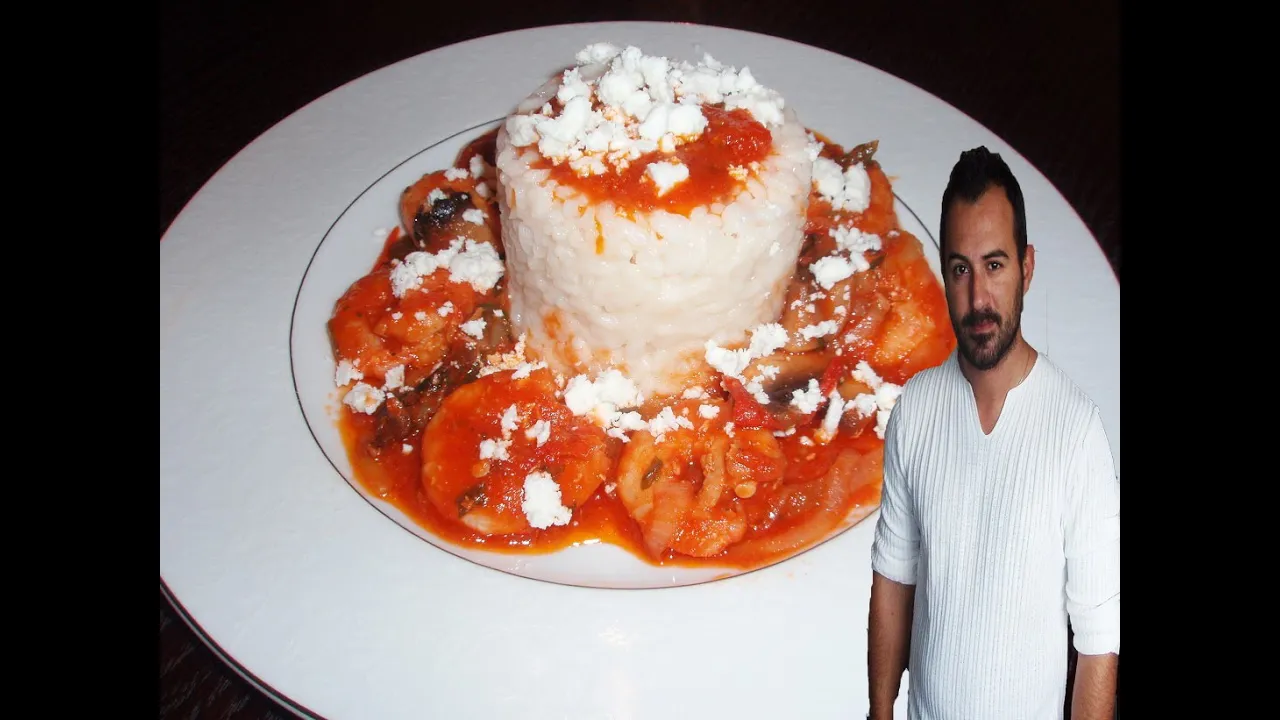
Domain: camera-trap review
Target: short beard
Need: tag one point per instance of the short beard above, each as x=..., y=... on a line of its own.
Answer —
x=992, y=352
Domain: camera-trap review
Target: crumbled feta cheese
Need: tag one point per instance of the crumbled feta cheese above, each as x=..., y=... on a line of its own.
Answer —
x=848, y=190
x=756, y=389
x=826, y=327
x=854, y=241
x=829, y=270
x=630, y=104
x=456, y=174
x=807, y=400
x=728, y=362
x=466, y=260
x=406, y=448
x=728, y=428
x=494, y=449
x=524, y=370
x=767, y=339
x=666, y=175
x=476, y=165
x=346, y=373
x=510, y=420
x=806, y=440
x=882, y=398
x=482, y=189
x=694, y=393
x=364, y=398
x=474, y=328
x=394, y=378
x=540, y=432
x=396, y=315
x=831, y=421
x=445, y=309
x=436, y=195
x=666, y=421
x=474, y=216
x=541, y=503
x=602, y=398
x=420, y=315
x=708, y=411
x=768, y=372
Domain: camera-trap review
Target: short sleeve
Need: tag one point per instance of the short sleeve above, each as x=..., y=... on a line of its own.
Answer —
x=895, y=550
x=1091, y=532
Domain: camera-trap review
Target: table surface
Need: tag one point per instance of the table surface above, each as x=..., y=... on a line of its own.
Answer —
x=1043, y=76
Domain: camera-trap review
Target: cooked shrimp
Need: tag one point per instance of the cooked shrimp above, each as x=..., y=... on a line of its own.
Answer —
x=490, y=436
x=685, y=492
x=803, y=513
x=438, y=209
x=376, y=331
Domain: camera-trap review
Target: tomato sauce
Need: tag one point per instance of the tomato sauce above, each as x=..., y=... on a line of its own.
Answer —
x=822, y=483
x=732, y=138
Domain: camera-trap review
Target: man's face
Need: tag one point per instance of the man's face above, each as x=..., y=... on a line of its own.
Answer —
x=983, y=278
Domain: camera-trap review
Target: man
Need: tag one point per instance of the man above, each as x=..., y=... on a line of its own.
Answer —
x=1000, y=515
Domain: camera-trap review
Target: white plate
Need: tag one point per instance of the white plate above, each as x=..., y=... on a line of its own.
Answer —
x=313, y=593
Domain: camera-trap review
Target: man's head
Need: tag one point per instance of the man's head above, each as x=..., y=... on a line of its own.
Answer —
x=986, y=262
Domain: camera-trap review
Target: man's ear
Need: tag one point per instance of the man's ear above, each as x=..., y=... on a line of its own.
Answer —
x=1028, y=267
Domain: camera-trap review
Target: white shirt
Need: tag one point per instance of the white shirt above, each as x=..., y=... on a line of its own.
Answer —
x=1005, y=536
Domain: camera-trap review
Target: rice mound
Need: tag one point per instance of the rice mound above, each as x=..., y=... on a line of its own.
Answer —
x=662, y=285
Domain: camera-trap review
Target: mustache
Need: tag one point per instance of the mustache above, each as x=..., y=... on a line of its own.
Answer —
x=974, y=318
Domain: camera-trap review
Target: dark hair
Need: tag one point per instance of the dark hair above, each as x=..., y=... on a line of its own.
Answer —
x=974, y=173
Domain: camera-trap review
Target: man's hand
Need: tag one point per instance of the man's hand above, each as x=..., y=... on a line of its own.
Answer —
x=1094, y=694
x=888, y=642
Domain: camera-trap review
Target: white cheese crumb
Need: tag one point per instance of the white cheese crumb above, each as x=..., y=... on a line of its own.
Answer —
x=394, y=378
x=830, y=270
x=396, y=315
x=540, y=432
x=807, y=400
x=346, y=373
x=694, y=393
x=364, y=398
x=708, y=411
x=666, y=175
x=510, y=420
x=524, y=370
x=406, y=448
x=541, y=503
x=602, y=398
x=476, y=166
x=473, y=215
x=494, y=449
x=466, y=260
x=848, y=190
x=445, y=309
x=436, y=196
x=474, y=328
x=826, y=327
x=420, y=315
x=456, y=174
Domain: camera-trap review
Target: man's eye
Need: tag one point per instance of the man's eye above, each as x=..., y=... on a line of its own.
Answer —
x=959, y=270
x=993, y=265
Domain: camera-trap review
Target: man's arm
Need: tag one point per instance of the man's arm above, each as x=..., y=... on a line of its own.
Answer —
x=1094, y=694
x=1092, y=546
x=894, y=555
x=889, y=641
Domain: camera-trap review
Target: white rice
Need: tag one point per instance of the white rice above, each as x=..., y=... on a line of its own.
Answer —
x=648, y=306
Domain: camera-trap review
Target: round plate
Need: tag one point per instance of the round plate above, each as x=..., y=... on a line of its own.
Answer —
x=313, y=593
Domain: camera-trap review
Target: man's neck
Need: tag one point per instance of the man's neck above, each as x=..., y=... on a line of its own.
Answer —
x=1007, y=374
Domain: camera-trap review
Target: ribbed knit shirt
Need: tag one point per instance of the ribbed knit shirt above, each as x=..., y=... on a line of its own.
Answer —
x=1005, y=536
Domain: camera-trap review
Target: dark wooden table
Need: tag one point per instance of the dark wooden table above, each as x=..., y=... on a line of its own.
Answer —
x=1043, y=76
